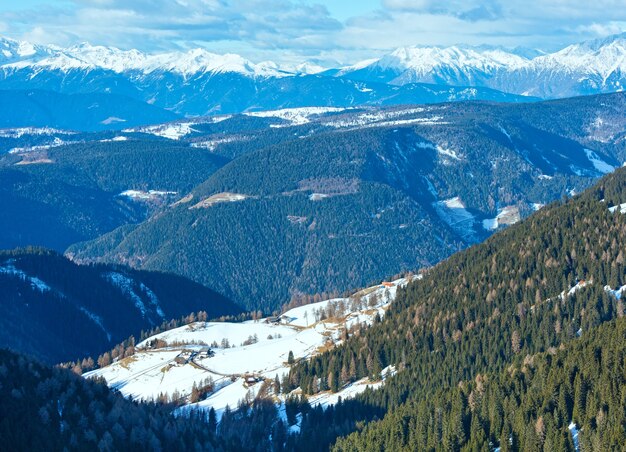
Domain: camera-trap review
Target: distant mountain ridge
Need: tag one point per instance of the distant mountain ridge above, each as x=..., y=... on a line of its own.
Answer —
x=198, y=82
x=82, y=111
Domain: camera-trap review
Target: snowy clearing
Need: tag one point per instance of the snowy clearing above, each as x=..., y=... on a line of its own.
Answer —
x=599, y=164
x=218, y=198
x=174, y=131
x=453, y=212
x=150, y=195
x=506, y=216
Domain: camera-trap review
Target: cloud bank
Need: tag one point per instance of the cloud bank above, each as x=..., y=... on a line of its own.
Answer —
x=293, y=30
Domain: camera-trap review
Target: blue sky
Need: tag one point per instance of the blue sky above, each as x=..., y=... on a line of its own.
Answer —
x=342, y=31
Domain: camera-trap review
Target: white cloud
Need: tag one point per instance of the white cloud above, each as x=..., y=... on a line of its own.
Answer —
x=293, y=30
x=606, y=29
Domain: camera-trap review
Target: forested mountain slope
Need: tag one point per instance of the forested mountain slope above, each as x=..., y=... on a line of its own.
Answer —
x=56, y=310
x=327, y=202
x=56, y=196
x=546, y=283
x=51, y=409
x=527, y=407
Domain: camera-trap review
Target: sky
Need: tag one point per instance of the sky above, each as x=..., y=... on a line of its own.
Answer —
x=324, y=31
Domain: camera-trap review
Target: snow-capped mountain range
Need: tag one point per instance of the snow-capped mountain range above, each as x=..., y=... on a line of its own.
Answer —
x=197, y=82
x=589, y=67
x=16, y=55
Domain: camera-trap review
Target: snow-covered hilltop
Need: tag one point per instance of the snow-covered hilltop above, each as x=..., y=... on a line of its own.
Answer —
x=230, y=361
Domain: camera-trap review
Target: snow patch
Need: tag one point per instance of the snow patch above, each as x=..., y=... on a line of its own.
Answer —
x=536, y=206
x=453, y=212
x=150, y=195
x=617, y=293
x=295, y=116
x=327, y=398
x=127, y=286
x=620, y=208
x=36, y=283
x=444, y=153
x=112, y=120
x=114, y=139
x=318, y=196
x=97, y=320
x=573, y=429
x=212, y=145
x=599, y=164
x=21, y=131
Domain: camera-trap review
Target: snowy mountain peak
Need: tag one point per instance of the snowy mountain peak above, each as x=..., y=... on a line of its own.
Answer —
x=590, y=67
x=12, y=50
x=455, y=65
x=595, y=45
x=426, y=58
x=603, y=57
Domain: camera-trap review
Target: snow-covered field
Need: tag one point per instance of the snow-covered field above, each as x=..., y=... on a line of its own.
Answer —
x=256, y=348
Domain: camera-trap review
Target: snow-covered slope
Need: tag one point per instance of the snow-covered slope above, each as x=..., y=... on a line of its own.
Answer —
x=242, y=354
x=585, y=68
x=11, y=50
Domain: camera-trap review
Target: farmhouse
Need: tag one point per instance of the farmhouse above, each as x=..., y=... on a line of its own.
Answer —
x=184, y=357
x=251, y=380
